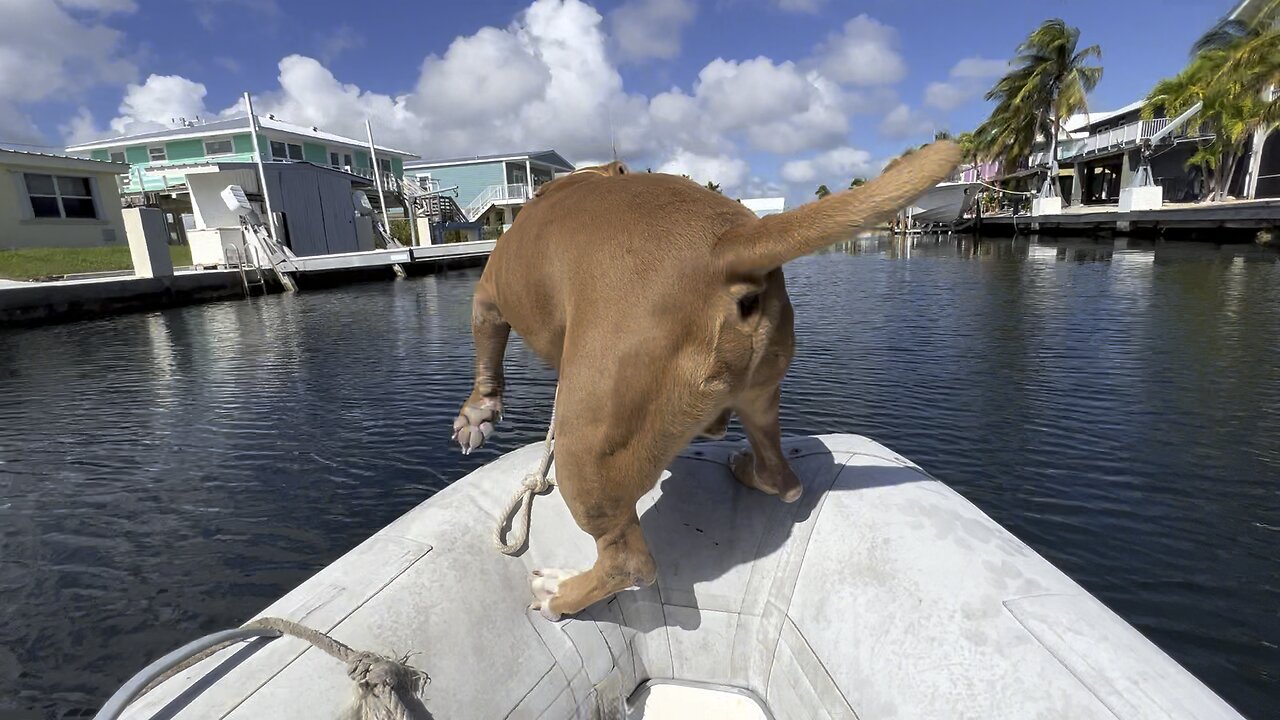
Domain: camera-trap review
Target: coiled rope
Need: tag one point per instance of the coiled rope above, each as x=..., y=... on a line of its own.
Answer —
x=520, y=506
x=381, y=682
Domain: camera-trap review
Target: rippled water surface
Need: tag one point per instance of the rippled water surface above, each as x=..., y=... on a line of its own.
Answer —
x=1116, y=406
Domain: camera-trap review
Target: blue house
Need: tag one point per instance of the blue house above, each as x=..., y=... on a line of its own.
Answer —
x=492, y=188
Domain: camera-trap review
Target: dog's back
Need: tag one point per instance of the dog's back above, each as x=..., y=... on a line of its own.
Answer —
x=626, y=245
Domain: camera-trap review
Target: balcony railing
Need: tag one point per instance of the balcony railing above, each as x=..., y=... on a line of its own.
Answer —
x=495, y=194
x=1119, y=138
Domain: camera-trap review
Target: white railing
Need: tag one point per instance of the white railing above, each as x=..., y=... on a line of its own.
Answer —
x=1117, y=138
x=495, y=194
x=389, y=181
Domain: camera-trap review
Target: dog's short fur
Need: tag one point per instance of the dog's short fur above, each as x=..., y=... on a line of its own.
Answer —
x=662, y=306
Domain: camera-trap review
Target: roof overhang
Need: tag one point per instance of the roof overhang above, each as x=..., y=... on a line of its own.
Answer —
x=61, y=162
x=550, y=158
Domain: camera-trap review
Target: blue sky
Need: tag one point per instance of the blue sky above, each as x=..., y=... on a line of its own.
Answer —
x=760, y=95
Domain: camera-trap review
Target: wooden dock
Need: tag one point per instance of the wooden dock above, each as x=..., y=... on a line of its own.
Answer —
x=1227, y=220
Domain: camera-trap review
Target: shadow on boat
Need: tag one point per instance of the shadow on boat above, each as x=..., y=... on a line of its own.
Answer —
x=719, y=545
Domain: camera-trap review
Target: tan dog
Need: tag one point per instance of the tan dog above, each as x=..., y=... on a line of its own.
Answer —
x=661, y=305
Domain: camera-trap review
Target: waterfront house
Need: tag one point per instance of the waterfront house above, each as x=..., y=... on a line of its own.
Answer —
x=158, y=161
x=52, y=201
x=491, y=189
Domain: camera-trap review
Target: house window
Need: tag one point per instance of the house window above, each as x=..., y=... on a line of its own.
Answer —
x=60, y=196
x=346, y=160
x=156, y=154
x=117, y=156
x=218, y=147
x=384, y=165
x=333, y=159
x=285, y=151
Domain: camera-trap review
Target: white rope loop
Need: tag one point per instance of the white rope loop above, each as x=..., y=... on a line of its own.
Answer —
x=534, y=483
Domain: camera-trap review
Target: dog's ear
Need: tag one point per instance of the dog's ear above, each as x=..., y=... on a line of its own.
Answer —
x=762, y=245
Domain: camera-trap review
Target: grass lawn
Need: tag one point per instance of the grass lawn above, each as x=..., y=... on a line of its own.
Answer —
x=36, y=263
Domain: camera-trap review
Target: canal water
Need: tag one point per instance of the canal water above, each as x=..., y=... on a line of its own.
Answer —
x=1116, y=406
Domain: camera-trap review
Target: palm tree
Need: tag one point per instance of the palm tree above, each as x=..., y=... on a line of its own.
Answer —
x=822, y=191
x=1050, y=81
x=713, y=187
x=1231, y=69
x=858, y=181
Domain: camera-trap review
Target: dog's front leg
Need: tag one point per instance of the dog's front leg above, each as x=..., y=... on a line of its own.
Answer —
x=483, y=409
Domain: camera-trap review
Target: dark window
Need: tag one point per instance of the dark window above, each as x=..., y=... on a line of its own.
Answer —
x=60, y=196
x=295, y=152
x=333, y=159
x=156, y=154
x=117, y=157
x=278, y=151
x=78, y=207
x=218, y=147
x=45, y=207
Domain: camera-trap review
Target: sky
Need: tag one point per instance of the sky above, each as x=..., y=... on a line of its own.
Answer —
x=764, y=97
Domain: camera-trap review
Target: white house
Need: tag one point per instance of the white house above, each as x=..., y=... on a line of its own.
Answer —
x=50, y=201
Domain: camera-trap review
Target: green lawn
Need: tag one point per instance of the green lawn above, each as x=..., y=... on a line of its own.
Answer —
x=36, y=263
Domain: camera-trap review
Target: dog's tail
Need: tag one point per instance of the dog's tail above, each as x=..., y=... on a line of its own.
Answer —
x=767, y=243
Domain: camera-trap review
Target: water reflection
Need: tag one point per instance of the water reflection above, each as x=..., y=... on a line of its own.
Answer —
x=1111, y=402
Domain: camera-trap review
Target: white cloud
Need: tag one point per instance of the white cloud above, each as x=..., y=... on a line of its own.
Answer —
x=728, y=172
x=839, y=165
x=16, y=126
x=644, y=29
x=45, y=52
x=864, y=52
x=968, y=80
x=903, y=122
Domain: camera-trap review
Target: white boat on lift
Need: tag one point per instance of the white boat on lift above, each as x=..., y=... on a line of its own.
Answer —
x=880, y=594
x=944, y=203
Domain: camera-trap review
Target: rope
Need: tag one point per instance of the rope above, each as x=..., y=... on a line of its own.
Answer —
x=379, y=680
x=1007, y=192
x=520, y=506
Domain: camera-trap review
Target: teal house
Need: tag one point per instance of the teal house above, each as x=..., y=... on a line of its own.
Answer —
x=230, y=141
x=160, y=161
x=491, y=189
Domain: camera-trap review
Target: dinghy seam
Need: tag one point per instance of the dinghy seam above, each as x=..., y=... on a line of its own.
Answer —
x=1032, y=634
x=786, y=611
x=529, y=692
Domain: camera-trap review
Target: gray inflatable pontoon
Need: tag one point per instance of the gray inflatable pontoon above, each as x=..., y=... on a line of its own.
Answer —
x=880, y=594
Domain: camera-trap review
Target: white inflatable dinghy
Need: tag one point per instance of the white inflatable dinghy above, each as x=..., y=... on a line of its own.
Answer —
x=880, y=594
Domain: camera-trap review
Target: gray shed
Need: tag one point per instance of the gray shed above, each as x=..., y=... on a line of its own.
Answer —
x=313, y=204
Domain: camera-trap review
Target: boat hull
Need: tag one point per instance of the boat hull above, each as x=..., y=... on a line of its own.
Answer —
x=943, y=203
x=881, y=593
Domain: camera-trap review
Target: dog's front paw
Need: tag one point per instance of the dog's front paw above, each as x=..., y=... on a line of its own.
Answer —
x=545, y=585
x=474, y=424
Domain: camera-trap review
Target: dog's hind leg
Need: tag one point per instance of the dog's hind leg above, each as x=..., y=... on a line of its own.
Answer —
x=623, y=562
x=764, y=467
x=601, y=479
x=483, y=409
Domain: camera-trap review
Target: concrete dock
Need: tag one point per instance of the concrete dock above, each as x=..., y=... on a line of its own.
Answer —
x=1227, y=220
x=33, y=303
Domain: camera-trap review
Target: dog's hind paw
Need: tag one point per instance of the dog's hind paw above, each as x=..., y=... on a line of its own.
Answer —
x=545, y=585
x=473, y=426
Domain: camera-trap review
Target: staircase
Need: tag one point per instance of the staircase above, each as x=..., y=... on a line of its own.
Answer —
x=495, y=194
x=428, y=202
